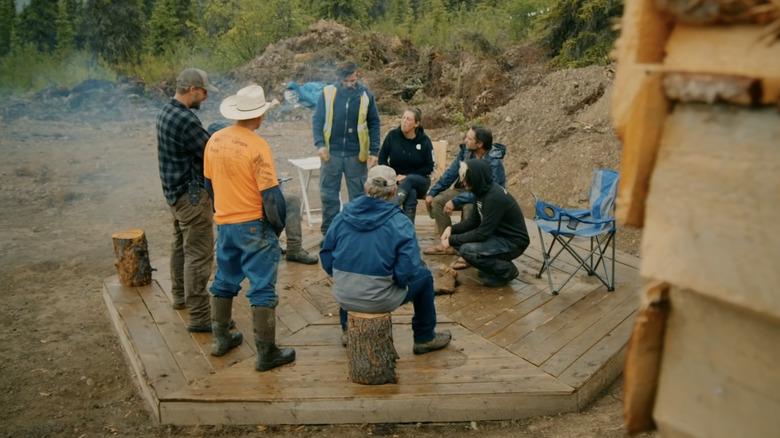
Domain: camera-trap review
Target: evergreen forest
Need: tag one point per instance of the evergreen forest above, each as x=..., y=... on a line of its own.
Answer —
x=46, y=42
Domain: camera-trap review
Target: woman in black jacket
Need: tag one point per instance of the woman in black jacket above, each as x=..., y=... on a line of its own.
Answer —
x=409, y=151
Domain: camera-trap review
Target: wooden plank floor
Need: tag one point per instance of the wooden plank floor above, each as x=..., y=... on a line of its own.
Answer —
x=517, y=351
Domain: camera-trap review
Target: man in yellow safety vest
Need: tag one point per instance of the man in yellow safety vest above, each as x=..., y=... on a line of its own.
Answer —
x=346, y=134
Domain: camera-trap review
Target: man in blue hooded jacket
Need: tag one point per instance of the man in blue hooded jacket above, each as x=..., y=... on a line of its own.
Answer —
x=372, y=254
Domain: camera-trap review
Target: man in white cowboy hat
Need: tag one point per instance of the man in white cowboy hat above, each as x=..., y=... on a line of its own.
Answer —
x=181, y=140
x=250, y=214
x=292, y=227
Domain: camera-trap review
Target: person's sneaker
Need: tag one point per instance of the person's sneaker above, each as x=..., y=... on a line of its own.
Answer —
x=302, y=256
x=439, y=341
x=207, y=328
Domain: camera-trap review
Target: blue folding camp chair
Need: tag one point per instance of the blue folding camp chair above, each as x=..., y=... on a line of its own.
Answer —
x=596, y=223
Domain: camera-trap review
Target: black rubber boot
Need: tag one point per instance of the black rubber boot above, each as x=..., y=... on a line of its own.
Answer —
x=411, y=212
x=400, y=198
x=268, y=354
x=223, y=339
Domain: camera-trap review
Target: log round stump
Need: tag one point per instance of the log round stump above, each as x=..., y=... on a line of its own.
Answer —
x=131, y=258
x=370, y=348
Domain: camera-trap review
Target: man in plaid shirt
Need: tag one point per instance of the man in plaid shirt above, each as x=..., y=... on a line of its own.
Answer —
x=181, y=141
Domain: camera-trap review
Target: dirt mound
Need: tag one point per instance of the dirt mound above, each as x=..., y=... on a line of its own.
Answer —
x=451, y=85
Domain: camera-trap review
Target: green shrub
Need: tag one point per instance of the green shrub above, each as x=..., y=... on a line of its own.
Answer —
x=25, y=69
x=577, y=33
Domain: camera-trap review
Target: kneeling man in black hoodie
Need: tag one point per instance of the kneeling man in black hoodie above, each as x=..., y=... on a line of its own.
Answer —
x=496, y=235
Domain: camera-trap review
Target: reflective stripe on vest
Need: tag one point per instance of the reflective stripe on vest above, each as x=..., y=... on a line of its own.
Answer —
x=362, y=125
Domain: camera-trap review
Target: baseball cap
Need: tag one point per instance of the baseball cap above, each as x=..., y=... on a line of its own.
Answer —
x=382, y=176
x=194, y=77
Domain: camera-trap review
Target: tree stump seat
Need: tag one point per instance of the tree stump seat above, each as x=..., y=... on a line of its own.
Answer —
x=370, y=348
x=131, y=258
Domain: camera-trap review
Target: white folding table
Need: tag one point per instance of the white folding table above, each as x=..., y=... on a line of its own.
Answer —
x=305, y=167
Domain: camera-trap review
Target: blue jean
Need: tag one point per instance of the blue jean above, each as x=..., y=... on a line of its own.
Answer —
x=355, y=173
x=421, y=294
x=414, y=186
x=247, y=250
x=493, y=256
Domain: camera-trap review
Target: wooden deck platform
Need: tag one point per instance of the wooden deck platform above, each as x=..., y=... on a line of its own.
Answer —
x=517, y=351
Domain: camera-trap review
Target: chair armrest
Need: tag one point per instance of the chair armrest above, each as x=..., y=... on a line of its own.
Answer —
x=593, y=221
x=550, y=212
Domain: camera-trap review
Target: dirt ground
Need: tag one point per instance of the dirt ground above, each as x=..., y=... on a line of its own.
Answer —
x=74, y=172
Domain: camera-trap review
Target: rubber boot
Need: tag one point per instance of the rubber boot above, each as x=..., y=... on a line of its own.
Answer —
x=411, y=212
x=295, y=251
x=400, y=198
x=223, y=340
x=268, y=354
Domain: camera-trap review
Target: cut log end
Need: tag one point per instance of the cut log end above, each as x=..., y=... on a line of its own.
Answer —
x=370, y=348
x=131, y=258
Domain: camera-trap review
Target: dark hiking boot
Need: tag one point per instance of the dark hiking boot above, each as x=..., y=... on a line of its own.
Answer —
x=439, y=341
x=301, y=256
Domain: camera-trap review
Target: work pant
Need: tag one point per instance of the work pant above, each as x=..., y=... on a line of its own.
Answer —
x=354, y=172
x=192, y=255
x=437, y=209
x=493, y=256
x=292, y=226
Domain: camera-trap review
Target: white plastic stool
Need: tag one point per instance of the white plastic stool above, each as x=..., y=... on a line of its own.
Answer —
x=305, y=167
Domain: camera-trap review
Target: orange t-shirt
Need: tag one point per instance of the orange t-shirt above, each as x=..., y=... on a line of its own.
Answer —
x=240, y=165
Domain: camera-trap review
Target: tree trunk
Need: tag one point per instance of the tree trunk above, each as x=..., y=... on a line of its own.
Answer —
x=370, y=348
x=131, y=258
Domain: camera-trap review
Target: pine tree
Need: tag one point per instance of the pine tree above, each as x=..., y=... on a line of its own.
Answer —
x=115, y=28
x=7, y=25
x=35, y=24
x=577, y=33
x=353, y=13
x=168, y=26
x=66, y=35
x=400, y=11
x=435, y=23
x=286, y=19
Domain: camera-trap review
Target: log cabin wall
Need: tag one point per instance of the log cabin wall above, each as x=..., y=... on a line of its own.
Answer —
x=696, y=105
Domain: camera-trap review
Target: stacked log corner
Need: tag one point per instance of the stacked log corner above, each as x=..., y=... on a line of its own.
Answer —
x=696, y=105
x=370, y=348
x=131, y=258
